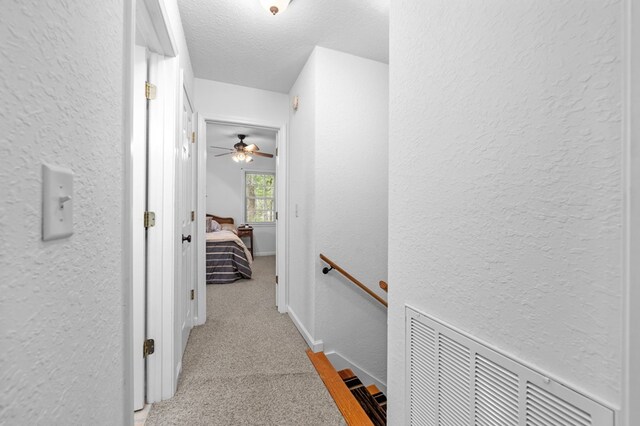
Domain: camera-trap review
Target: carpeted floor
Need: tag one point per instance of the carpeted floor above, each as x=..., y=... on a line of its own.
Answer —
x=247, y=365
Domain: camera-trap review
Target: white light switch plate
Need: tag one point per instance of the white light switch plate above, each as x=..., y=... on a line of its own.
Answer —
x=57, y=202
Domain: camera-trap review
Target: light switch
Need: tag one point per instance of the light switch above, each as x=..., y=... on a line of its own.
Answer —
x=57, y=202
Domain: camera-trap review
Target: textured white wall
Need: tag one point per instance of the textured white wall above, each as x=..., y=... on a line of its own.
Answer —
x=61, y=316
x=631, y=374
x=352, y=116
x=505, y=182
x=338, y=163
x=302, y=139
x=214, y=99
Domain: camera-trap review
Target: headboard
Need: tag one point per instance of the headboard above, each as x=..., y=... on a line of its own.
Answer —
x=221, y=220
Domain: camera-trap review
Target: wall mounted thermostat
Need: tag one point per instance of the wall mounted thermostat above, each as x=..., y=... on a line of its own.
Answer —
x=57, y=202
x=295, y=103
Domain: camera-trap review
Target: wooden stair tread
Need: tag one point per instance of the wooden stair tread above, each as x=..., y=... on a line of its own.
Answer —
x=372, y=405
x=350, y=408
x=346, y=374
x=377, y=394
x=373, y=389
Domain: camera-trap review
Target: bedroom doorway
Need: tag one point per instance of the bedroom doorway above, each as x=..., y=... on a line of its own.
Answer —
x=250, y=191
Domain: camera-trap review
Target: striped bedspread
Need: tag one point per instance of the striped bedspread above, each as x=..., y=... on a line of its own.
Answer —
x=226, y=262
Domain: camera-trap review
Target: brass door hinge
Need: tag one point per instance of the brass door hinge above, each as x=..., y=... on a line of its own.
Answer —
x=193, y=137
x=149, y=90
x=193, y=294
x=193, y=215
x=276, y=215
x=276, y=152
x=276, y=279
x=149, y=219
x=148, y=347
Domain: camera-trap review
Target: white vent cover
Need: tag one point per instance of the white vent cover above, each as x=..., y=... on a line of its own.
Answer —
x=453, y=380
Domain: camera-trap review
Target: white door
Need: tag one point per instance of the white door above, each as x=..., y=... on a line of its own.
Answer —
x=186, y=216
x=138, y=237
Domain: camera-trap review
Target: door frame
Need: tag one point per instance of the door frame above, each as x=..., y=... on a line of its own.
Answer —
x=282, y=201
x=200, y=308
x=147, y=24
x=161, y=382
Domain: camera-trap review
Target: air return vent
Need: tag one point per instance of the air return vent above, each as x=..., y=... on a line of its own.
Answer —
x=454, y=380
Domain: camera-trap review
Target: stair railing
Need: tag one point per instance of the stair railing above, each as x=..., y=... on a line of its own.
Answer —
x=351, y=278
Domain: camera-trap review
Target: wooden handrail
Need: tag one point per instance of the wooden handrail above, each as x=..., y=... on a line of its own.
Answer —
x=352, y=279
x=384, y=286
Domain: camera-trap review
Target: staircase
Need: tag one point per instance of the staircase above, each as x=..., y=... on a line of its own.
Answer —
x=359, y=405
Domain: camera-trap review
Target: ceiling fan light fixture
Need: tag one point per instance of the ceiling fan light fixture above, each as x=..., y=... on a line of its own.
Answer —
x=248, y=159
x=275, y=6
x=235, y=158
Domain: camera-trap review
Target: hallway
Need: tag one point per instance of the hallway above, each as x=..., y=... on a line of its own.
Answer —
x=247, y=365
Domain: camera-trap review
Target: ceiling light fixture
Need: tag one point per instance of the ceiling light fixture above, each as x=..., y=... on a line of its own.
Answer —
x=241, y=156
x=275, y=6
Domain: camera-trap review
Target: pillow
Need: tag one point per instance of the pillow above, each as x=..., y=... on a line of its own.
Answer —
x=212, y=225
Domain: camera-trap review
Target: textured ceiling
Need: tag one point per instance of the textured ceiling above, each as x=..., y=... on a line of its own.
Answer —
x=238, y=42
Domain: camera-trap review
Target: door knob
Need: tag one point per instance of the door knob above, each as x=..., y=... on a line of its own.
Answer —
x=187, y=238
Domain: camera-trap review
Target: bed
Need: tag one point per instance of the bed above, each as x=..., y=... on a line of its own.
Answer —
x=228, y=259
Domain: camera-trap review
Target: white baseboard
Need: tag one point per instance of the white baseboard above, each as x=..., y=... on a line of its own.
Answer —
x=177, y=379
x=264, y=253
x=339, y=362
x=197, y=321
x=315, y=345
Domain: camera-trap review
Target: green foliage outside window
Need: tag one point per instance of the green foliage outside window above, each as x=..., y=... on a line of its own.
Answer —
x=260, y=197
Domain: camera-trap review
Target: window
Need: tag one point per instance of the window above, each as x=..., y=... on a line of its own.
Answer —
x=260, y=201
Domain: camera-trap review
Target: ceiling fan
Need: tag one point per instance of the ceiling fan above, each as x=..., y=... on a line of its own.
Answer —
x=243, y=152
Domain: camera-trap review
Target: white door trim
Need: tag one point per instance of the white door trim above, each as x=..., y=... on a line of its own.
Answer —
x=282, y=173
x=200, y=311
x=282, y=225
x=152, y=29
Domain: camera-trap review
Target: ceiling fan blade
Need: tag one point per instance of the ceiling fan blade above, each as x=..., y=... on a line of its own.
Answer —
x=252, y=147
x=226, y=153
x=219, y=147
x=262, y=154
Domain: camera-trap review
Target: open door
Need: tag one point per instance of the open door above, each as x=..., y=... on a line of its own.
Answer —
x=185, y=294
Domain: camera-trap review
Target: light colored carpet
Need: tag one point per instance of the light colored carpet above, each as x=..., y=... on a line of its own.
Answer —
x=247, y=365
